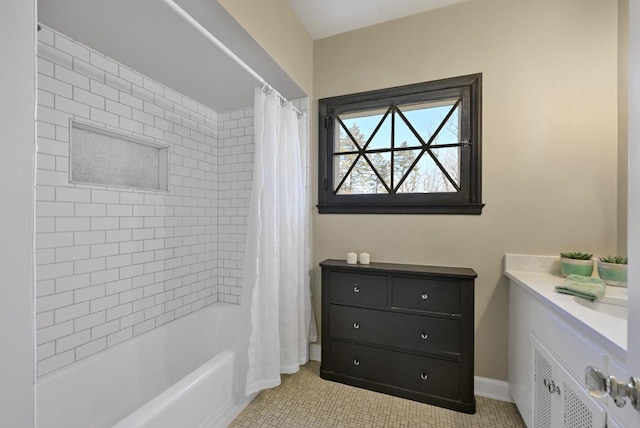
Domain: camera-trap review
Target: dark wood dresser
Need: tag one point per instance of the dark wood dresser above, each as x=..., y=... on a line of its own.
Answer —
x=404, y=330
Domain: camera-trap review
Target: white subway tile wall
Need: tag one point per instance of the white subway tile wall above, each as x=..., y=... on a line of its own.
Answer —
x=235, y=163
x=235, y=154
x=113, y=263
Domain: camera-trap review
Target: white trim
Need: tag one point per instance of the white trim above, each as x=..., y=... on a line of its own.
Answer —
x=492, y=388
x=314, y=351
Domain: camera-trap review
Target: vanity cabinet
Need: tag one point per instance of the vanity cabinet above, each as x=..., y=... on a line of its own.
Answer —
x=548, y=354
x=404, y=330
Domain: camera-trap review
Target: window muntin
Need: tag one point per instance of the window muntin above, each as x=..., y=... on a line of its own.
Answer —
x=419, y=143
x=409, y=149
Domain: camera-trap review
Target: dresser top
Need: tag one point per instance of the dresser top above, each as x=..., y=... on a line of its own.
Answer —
x=460, y=272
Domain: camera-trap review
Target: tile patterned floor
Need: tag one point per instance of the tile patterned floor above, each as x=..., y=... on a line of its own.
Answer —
x=306, y=400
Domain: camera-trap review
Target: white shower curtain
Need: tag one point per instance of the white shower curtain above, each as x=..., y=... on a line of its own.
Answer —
x=277, y=254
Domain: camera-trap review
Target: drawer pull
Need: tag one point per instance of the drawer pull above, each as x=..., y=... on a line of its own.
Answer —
x=356, y=325
x=356, y=289
x=356, y=362
x=424, y=376
x=424, y=336
x=424, y=296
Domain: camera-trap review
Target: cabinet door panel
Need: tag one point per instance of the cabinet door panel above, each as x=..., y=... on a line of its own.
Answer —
x=542, y=399
x=404, y=331
x=564, y=404
x=579, y=409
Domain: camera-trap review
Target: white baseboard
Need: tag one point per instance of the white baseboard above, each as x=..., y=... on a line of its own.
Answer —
x=314, y=352
x=492, y=388
x=484, y=387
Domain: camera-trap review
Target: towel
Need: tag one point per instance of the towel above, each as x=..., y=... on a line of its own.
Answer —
x=582, y=286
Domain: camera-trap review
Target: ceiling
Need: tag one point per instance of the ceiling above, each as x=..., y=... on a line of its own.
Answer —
x=330, y=17
x=149, y=37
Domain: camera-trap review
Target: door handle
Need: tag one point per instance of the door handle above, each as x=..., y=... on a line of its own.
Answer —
x=600, y=385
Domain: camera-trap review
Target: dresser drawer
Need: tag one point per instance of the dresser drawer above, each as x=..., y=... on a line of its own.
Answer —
x=360, y=289
x=409, y=332
x=421, y=374
x=425, y=294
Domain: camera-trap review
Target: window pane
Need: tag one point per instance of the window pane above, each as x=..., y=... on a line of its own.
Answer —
x=361, y=181
x=382, y=163
x=449, y=157
x=449, y=133
x=382, y=139
x=341, y=164
x=362, y=124
x=426, y=177
x=404, y=137
x=345, y=143
x=402, y=161
x=426, y=117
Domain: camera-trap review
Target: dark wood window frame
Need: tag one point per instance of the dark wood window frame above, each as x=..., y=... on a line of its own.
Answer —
x=467, y=200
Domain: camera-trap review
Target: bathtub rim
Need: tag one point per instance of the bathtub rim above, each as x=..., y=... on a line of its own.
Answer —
x=58, y=394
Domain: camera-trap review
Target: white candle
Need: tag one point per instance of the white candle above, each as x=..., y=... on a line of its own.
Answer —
x=352, y=258
x=365, y=258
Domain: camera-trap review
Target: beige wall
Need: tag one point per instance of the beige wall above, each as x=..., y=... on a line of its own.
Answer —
x=550, y=133
x=275, y=26
x=549, y=140
x=623, y=121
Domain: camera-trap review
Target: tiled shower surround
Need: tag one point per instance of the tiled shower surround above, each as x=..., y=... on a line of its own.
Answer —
x=113, y=263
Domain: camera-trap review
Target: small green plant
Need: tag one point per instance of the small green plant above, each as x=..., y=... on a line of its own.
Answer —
x=618, y=260
x=576, y=256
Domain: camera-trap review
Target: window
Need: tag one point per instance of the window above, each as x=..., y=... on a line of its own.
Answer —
x=107, y=158
x=412, y=149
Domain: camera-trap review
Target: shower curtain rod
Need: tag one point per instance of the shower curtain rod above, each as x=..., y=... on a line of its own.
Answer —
x=213, y=39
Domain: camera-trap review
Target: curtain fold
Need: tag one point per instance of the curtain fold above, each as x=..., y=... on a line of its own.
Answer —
x=277, y=250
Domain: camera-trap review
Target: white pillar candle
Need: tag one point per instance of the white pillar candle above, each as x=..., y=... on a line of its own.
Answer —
x=352, y=258
x=365, y=258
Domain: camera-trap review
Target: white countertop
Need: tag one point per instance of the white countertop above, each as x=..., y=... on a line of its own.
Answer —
x=540, y=275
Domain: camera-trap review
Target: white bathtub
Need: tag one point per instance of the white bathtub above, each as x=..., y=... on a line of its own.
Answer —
x=196, y=362
x=203, y=398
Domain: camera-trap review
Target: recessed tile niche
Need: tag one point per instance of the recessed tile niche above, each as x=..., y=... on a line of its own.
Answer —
x=107, y=158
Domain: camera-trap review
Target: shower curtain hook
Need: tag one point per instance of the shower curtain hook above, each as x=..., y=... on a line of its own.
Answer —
x=268, y=89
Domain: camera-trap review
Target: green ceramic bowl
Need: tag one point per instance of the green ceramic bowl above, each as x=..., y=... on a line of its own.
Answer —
x=613, y=273
x=576, y=267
